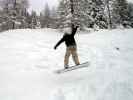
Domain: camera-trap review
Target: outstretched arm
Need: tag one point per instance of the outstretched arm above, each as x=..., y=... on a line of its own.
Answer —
x=62, y=40
x=74, y=29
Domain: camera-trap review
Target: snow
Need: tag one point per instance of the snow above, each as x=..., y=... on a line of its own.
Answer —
x=28, y=60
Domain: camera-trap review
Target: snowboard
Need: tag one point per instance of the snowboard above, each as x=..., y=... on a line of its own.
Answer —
x=70, y=68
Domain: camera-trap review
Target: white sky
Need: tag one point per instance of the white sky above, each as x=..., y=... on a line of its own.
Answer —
x=38, y=5
x=130, y=1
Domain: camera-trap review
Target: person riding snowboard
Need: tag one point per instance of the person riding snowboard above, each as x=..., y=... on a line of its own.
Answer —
x=71, y=47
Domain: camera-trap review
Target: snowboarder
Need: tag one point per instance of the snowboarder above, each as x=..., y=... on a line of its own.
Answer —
x=71, y=47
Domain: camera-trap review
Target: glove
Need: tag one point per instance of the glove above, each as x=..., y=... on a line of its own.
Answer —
x=55, y=47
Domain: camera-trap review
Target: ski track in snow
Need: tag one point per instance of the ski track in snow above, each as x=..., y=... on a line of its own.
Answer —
x=28, y=61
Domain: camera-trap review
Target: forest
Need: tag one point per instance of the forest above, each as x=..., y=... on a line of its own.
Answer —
x=95, y=14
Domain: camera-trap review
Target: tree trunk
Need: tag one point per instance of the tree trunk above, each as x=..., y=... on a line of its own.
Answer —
x=109, y=15
x=72, y=12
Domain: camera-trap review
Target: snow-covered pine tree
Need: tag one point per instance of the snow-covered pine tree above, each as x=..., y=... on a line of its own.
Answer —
x=24, y=4
x=45, y=17
x=63, y=11
x=108, y=12
x=120, y=13
x=28, y=20
x=72, y=12
x=53, y=18
x=130, y=13
x=34, y=19
x=41, y=18
x=82, y=15
x=100, y=20
x=14, y=13
x=1, y=19
x=85, y=13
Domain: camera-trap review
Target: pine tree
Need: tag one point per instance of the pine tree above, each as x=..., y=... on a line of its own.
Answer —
x=53, y=17
x=130, y=13
x=14, y=13
x=85, y=13
x=72, y=13
x=34, y=19
x=47, y=15
x=1, y=19
x=63, y=12
x=100, y=20
x=108, y=12
x=28, y=21
x=120, y=12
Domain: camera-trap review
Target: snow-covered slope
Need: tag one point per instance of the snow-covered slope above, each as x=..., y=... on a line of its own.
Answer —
x=27, y=62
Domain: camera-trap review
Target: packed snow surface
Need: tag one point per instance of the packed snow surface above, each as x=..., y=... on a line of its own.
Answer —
x=28, y=62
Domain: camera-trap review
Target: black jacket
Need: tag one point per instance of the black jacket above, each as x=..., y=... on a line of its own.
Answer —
x=68, y=39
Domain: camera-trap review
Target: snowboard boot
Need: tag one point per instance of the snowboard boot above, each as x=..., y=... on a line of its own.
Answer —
x=66, y=66
x=77, y=64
